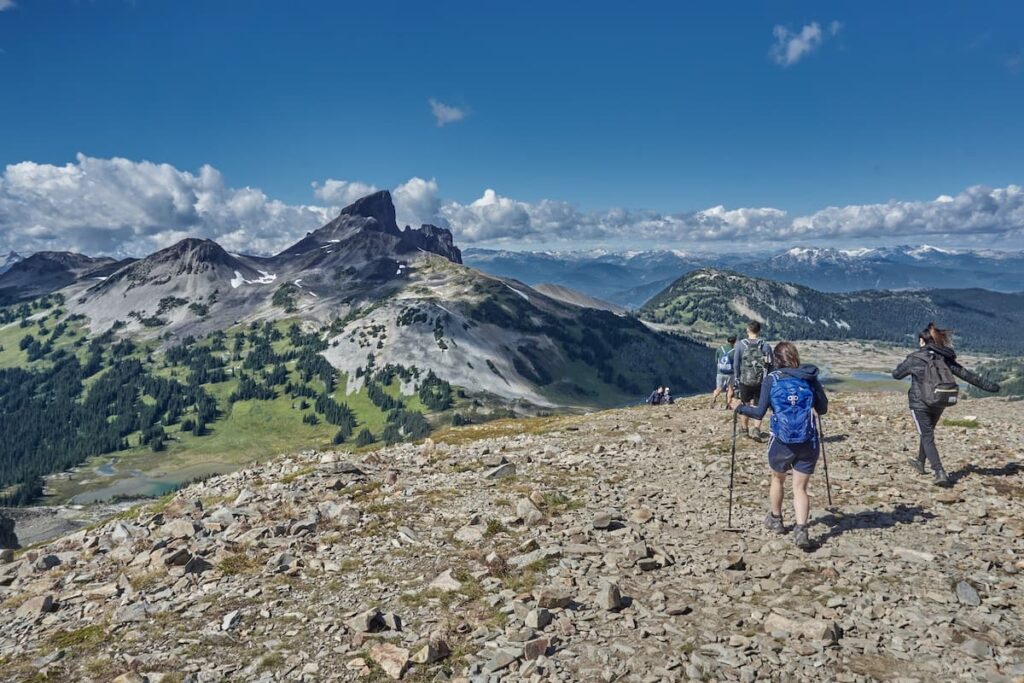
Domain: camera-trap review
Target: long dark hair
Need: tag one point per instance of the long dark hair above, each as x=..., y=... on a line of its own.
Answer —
x=935, y=335
x=786, y=355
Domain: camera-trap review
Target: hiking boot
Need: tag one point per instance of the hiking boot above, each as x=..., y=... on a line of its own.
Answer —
x=917, y=465
x=801, y=538
x=775, y=524
x=755, y=434
x=941, y=479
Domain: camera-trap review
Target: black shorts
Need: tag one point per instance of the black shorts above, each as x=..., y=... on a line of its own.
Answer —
x=749, y=393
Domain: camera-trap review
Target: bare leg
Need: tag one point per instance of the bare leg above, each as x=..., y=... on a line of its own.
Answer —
x=801, y=504
x=775, y=493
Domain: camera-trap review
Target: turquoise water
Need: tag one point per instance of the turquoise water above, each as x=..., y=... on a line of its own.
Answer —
x=871, y=376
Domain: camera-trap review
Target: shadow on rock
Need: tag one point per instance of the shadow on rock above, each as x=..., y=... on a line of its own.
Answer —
x=1010, y=469
x=869, y=519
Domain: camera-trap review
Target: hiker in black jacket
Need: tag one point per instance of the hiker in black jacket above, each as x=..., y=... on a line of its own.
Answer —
x=935, y=346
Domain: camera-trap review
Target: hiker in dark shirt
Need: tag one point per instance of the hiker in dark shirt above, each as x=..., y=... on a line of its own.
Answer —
x=932, y=391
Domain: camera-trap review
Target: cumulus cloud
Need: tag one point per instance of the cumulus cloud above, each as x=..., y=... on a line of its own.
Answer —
x=122, y=207
x=790, y=47
x=128, y=208
x=341, y=192
x=443, y=113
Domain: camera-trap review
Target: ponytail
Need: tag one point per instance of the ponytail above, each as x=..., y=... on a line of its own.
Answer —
x=935, y=335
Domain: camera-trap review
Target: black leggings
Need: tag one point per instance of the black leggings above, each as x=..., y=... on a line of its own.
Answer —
x=927, y=421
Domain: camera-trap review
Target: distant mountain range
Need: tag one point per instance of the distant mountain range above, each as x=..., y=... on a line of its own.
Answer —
x=360, y=276
x=710, y=303
x=630, y=279
x=9, y=260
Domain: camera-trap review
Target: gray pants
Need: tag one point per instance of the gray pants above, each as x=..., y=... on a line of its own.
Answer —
x=927, y=421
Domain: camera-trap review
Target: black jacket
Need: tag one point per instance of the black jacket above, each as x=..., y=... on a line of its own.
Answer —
x=914, y=366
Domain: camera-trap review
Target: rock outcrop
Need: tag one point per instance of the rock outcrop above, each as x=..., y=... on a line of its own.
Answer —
x=601, y=555
x=8, y=539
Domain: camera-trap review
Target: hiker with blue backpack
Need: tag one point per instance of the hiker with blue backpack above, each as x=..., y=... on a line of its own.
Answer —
x=794, y=394
x=723, y=377
x=933, y=388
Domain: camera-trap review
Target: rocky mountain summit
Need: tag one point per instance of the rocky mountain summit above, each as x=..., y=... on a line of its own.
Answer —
x=575, y=548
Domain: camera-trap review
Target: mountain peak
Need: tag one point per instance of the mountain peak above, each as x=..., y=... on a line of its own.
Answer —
x=377, y=206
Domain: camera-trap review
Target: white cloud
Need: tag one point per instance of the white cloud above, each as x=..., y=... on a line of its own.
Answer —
x=6, y=4
x=790, y=47
x=444, y=113
x=127, y=208
x=417, y=202
x=341, y=192
x=123, y=207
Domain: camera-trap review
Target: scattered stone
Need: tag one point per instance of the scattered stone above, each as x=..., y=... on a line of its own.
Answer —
x=367, y=622
x=553, y=597
x=641, y=516
x=390, y=658
x=967, y=594
x=538, y=618
x=41, y=604
x=812, y=629
x=446, y=583
x=608, y=597
x=230, y=620
x=538, y=647
x=501, y=471
x=433, y=651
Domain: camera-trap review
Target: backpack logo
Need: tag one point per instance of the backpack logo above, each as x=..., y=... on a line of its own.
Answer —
x=792, y=410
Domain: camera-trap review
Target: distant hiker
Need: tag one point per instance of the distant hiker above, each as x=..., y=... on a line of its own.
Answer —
x=932, y=390
x=751, y=362
x=723, y=377
x=793, y=392
x=655, y=398
x=666, y=397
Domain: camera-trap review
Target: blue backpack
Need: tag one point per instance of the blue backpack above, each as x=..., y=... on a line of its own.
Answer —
x=725, y=361
x=792, y=410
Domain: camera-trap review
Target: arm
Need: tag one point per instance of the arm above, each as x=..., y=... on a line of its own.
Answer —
x=763, y=402
x=737, y=355
x=820, y=399
x=973, y=378
x=904, y=369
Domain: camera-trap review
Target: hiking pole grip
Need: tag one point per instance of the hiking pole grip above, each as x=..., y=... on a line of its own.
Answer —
x=732, y=466
x=824, y=459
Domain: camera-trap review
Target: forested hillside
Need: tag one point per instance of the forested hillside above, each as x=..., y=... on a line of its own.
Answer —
x=65, y=397
x=1008, y=373
x=712, y=303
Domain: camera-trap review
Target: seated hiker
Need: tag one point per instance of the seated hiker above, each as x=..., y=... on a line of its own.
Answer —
x=723, y=377
x=655, y=398
x=933, y=389
x=793, y=392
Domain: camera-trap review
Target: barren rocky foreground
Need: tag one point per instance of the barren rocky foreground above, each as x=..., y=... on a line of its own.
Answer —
x=585, y=548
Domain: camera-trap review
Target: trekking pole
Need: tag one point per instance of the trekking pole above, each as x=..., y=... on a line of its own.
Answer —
x=732, y=469
x=824, y=460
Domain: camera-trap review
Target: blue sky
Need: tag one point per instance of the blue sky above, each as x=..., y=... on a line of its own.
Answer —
x=652, y=107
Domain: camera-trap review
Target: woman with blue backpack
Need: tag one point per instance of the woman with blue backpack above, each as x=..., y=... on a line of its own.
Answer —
x=933, y=388
x=794, y=393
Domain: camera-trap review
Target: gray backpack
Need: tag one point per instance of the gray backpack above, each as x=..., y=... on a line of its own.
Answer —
x=938, y=386
x=755, y=362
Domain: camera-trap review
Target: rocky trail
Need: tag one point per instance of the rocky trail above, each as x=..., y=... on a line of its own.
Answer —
x=582, y=548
